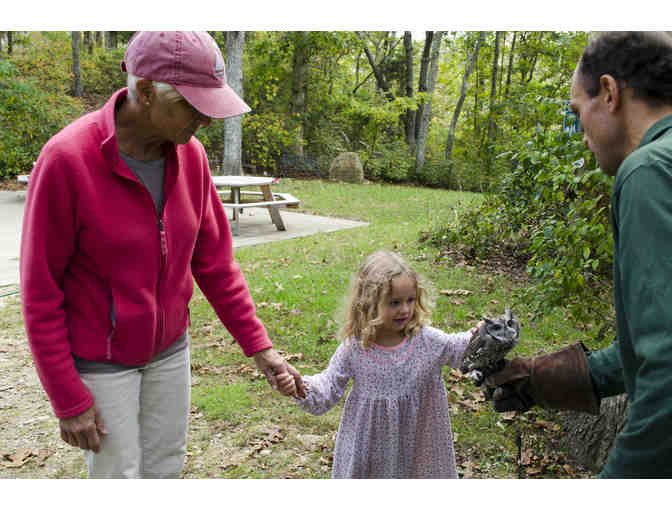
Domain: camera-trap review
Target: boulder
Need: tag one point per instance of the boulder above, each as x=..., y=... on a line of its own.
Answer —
x=347, y=168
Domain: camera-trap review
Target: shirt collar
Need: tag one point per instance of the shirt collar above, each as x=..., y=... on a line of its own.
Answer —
x=656, y=130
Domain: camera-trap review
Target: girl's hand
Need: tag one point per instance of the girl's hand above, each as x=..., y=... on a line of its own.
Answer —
x=286, y=384
x=475, y=329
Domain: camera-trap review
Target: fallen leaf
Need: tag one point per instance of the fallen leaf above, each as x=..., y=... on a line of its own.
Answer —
x=468, y=469
x=548, y=425
x=19, y=457
x=456, y=292
x=470, y=405
x=478, y=396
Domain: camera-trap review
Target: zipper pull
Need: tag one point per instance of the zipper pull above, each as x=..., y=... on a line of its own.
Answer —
x=164, y=240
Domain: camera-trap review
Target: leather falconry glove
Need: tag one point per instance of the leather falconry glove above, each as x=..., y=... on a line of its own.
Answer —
x=559, y=380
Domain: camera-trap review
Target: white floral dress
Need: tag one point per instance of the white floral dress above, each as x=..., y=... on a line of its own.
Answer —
x=395, y=422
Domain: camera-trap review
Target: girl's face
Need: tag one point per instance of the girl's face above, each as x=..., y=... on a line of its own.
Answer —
x=399, y=306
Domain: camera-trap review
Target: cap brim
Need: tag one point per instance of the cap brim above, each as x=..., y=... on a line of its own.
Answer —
x=217, y=102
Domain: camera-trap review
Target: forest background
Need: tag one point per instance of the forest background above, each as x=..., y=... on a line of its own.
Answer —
x=476, y=114
x=481, y=111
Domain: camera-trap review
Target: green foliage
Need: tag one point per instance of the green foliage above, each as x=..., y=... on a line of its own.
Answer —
x=47, y=57
x=29, y=116
x=552, y=213
x=265, y=137
x=101, y=71
x=390, y=161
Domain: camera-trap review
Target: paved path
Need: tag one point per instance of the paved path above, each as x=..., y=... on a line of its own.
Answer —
x=255, y=228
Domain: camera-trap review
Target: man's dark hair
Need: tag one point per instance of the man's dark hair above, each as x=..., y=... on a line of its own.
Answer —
x=641, y=61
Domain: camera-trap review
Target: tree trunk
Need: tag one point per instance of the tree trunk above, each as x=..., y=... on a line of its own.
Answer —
x=232, y=163
x=381, y=81
x=589, y=438
x=492, y=105
x=297, y=103
x=88, y=42
x=422, y=79
x=409, y=119
x=99, y=39
x=469, y=65
x=77, y=86
x=421, y=141
x=508, y=72
x=10, y=43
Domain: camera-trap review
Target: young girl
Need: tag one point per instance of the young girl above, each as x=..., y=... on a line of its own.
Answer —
x=395, y=422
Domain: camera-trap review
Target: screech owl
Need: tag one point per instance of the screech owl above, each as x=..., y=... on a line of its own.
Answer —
x=486, y=350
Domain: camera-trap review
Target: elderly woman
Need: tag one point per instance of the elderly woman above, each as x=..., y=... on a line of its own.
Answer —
x=121, y=215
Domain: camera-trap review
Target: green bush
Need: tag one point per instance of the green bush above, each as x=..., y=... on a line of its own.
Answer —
x=29, y=116
x=552, y=213
x=389, y=161
x=101, y=71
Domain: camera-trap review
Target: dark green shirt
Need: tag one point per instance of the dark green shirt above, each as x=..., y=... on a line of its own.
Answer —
x=640, y=361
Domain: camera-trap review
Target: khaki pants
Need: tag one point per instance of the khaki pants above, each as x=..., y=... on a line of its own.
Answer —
x=146, y=412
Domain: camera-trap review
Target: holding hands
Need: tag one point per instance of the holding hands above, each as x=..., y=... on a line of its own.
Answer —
x=280, y=375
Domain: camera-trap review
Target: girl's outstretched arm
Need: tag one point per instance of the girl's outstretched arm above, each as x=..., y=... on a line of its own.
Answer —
x=325, y=390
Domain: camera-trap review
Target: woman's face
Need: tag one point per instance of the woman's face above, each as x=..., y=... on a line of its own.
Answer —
x=175, y=119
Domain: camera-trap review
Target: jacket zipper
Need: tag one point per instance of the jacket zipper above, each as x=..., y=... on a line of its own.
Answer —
x=164, y=253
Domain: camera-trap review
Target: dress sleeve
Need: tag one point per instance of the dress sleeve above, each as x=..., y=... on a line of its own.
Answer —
x=451, y=346
x=326, y=389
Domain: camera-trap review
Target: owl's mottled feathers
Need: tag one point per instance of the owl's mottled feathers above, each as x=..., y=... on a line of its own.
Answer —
x=486, y=350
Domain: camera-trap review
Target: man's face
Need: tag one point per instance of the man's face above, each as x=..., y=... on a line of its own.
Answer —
x=602, y=131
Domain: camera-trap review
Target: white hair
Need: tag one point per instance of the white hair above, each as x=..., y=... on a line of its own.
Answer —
x=164, y=90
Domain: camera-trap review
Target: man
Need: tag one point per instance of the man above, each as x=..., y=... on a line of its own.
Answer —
x=622, y=94
x=121, y=216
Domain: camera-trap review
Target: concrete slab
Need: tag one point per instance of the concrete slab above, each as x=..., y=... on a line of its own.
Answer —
x=255, y=228
x=11, y=217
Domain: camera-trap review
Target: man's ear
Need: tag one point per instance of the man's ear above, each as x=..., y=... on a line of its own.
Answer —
x=610, y=92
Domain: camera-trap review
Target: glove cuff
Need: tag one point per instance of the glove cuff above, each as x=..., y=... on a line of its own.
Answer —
x=561, y=380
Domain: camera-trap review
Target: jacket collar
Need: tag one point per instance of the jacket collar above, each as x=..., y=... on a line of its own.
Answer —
x=110, y=148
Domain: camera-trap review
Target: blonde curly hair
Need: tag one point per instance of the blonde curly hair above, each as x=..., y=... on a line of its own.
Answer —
x=368, y=292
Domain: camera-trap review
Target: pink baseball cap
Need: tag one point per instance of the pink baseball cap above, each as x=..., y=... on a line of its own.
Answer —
x=192, y=63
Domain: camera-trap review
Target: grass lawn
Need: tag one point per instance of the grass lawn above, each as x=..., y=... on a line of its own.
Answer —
x=299, y=286
x=239, y=427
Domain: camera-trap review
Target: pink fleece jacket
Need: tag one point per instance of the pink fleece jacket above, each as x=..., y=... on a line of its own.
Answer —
x=102, y=276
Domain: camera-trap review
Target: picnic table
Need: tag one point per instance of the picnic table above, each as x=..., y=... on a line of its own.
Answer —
x=235, y=199
x=229, y=188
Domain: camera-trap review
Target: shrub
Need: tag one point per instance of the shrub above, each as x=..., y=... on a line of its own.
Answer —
x=389, y=161
x=551, y=212
x=101, y=72
x=29, y=116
